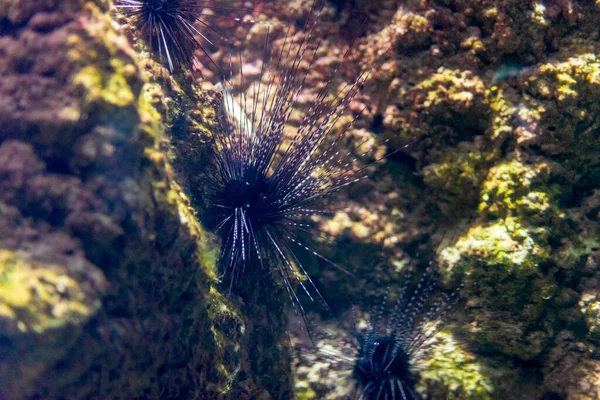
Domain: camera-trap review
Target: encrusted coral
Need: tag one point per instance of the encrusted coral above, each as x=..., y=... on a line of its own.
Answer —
x=499, y=266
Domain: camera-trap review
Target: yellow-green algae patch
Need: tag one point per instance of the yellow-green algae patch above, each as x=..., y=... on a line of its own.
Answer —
x=106, y=75
x=228, y=329
x=461, y=90
x=494, y=252
x=513, y=188
x=42, y=296
x=457, y=175
x=448, y=367
x=499, y=264
x=502, y=111
x=569, y=76
x=111, y=88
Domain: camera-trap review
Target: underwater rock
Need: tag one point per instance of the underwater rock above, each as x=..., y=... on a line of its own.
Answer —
x=451, y=372
x=107, y=280
x=499, y=103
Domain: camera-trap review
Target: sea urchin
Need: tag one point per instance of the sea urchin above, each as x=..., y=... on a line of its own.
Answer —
x=389, y=353
x=265, y=185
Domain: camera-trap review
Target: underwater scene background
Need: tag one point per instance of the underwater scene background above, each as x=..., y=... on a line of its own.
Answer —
x=474, y=131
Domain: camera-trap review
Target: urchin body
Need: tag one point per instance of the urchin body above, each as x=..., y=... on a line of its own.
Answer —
x=247, y=213
x=383, y=369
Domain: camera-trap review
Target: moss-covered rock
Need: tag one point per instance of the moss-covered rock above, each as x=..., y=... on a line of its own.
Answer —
x=453, y=370
x=107, y=280
x=499, y=105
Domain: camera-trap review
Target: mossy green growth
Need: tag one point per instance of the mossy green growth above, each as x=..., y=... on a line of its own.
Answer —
x=456, y=172
x=109, y=81
x=497, y=260
x=568, y=80
x=40, y=296
x=502, y=111
x=228, y=330
x=457, y=176
x=459, y=90
x=516, y=189
x=150, y=118
x=570, y=93
x=208, y=251
x=454, y=371
x=499, y=265
x=111, y=88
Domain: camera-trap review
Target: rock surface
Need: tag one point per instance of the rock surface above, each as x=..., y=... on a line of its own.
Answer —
x=108, y=282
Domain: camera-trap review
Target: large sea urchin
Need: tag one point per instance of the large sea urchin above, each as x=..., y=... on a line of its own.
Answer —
x=266, y=184
x=169, y=26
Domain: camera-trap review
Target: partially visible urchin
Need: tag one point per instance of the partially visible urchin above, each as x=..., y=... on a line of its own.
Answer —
x=390, y=350
x=169, y=28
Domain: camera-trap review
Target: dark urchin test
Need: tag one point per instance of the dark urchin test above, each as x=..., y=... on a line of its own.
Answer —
x=266, y=185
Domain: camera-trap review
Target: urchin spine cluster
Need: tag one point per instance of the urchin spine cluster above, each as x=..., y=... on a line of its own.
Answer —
x=169, y=26
x=388, y=354
x=264, y=189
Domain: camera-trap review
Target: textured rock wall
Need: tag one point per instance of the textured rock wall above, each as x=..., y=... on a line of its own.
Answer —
x=499, y=187
x=107, y=281
x=504, y=99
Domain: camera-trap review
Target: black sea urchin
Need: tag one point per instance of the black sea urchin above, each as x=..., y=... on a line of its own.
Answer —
x=388, y=353
x=266, y=184
x=169, y=27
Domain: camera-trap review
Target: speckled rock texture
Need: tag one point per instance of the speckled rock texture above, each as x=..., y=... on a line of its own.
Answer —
x=108, y=282
x=497, y=188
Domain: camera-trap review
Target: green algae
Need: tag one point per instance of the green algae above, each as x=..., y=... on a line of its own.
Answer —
x=41, y=297
x=454, y=371
x=502, y=252
x=112, y=89
x=499, y=259
x=569, y=80
x=516, y=189
x=502, y=111
x=457, y=176
x=458, y=90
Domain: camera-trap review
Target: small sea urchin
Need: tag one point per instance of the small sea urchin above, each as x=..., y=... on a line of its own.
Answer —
x=266, y=184
x=388, y=354
x=169, y=26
